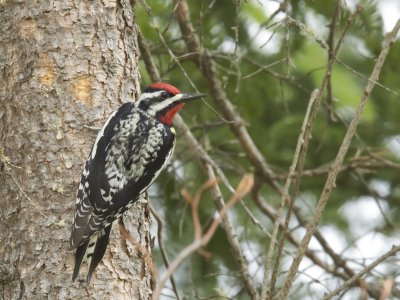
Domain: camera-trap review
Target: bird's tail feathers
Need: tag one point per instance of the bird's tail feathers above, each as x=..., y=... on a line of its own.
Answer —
x=91, y=252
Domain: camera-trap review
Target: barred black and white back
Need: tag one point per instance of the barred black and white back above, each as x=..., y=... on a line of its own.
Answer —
x=133, y=146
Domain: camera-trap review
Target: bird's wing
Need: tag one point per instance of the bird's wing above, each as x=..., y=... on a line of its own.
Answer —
x=129, y=153
x=89, y=201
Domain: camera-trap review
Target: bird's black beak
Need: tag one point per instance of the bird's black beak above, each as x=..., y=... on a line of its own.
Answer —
x=191, y=96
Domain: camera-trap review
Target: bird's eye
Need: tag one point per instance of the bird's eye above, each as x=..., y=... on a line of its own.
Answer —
x=164, y=95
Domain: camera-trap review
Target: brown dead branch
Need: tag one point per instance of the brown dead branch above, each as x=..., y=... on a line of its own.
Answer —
x=200, y=239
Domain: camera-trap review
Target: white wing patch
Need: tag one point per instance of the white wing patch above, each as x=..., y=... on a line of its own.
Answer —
x=155, y=175
x=121, y=166
x=117, y=155
x=100, y=134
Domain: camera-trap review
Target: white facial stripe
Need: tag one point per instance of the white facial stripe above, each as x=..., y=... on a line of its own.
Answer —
x=163, y=104
x=145, y=96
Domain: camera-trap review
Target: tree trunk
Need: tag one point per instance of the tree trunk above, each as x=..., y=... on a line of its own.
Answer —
x=63, y=65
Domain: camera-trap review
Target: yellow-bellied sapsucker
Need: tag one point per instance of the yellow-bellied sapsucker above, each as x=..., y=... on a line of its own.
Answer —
x=130, y=151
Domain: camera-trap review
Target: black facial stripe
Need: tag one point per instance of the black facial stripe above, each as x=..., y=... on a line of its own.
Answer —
x=151, y=90
x=145, y=104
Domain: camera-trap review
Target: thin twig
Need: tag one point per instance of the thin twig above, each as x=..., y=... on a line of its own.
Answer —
x=232, y=238
x=201, y=240
x=237, y=124
x=267, y=24
x=302, y=139
x=291, y=81
x=374, y=195
x=164, y=255
x=307, y=136
x=306, y=31
x=263, y=68
x=357, y=277
x=155, y=76
x=148, y=61
x=331, y=45
x=364, y=77
x=330, y=182
x=366, y=164
x=192, y=55
x=270, y=213
x=209, y=164
x=207, y=66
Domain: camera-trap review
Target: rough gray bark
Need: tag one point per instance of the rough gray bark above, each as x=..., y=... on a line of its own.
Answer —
x=63, y=64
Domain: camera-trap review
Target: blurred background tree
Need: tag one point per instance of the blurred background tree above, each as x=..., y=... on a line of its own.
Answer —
x=258, y=62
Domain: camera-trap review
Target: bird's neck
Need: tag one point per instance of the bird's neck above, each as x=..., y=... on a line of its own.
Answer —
x=168, y=117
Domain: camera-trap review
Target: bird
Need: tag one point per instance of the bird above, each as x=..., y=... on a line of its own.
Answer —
x=134, y=145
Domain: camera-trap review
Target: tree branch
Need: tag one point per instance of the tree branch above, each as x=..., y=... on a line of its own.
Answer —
x=360, y=274
x=201, y=240
x=330, y=182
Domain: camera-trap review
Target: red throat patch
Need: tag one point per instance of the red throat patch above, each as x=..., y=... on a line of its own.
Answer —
x=168, y=117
